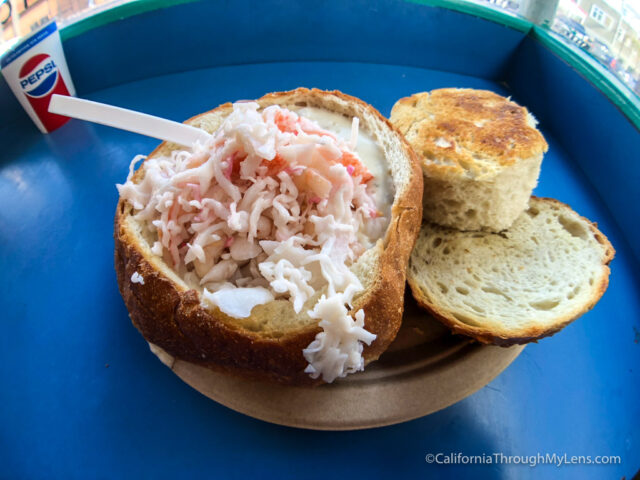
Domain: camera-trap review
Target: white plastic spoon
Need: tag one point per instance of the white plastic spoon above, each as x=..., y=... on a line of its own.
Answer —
x=124, y=119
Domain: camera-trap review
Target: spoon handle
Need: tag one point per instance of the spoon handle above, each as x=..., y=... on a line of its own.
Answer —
x=124, y=119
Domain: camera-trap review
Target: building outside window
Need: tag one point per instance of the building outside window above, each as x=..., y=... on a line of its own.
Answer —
x=20, y=17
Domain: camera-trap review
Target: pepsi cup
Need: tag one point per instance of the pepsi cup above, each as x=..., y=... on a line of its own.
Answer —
x=35, y=69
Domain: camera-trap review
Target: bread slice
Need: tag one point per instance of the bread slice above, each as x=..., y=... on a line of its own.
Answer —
x=269, y=343
x=481, y=155
x=512, y=287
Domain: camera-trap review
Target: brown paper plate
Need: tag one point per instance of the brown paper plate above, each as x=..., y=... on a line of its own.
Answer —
x=425, y=370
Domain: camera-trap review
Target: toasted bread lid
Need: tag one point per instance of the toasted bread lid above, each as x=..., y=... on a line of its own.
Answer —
x=467, y=132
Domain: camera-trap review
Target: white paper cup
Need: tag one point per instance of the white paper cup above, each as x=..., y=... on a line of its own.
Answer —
x=35, y=69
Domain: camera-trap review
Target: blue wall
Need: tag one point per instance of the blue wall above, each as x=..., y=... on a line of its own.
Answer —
x=193, y=36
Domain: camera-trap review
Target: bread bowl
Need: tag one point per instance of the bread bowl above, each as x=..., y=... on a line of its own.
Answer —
x=173, y=314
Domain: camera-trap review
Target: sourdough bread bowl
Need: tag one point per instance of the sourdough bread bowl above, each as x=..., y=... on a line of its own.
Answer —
x=268, y=344
x=480, y=154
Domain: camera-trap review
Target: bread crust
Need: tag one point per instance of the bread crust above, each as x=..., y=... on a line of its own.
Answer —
x=476, y=124
x=170, y=316
x=508, y=337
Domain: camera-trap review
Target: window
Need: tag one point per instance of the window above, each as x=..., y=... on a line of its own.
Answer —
x=598, y=15
x=19, y=17
x=620, y=34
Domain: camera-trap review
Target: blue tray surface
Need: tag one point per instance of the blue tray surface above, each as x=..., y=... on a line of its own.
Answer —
x=82, y=396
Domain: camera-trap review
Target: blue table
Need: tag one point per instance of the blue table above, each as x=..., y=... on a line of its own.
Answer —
x=83, y=397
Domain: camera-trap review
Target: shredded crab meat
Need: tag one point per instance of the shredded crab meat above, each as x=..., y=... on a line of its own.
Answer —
x=137, y=278
x=272, y=206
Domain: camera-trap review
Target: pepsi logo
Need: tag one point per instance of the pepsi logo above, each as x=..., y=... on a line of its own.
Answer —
x=38, y=75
